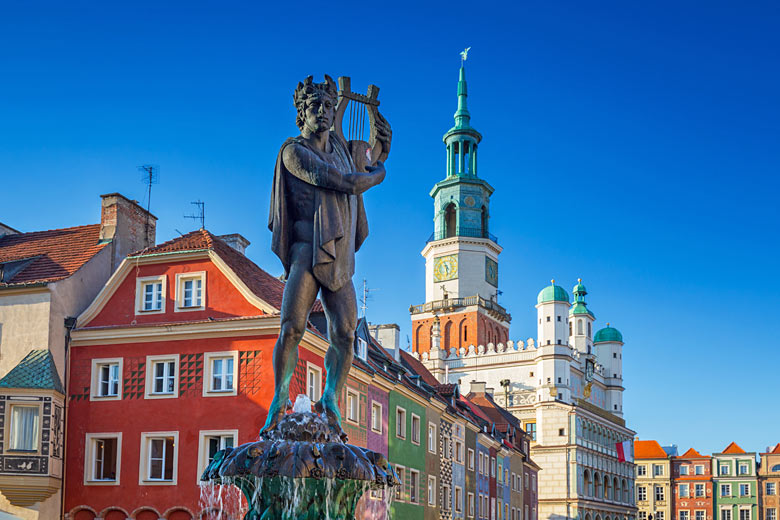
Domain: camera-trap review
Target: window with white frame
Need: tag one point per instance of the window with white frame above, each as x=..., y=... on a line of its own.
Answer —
x=191, y=291
x=313, y=382
x=102, y=458
x=641, y=493
x=220, y=378
x=159, y=458
x=743, y=469
x=400, y=422
x=660, y=515
x=724, y=469
x=744, y=490
x=698, y=490
x=431, y=437
x=414, y=486
x=458, y=499
x=658, y=470
x=150, y=294
x=771, y=513
x=471, y=505
x=744, y=513
x=643, y=515
x=725, y=514
x=492, y=466
x=533, y=482
x=698, y=469
x=725, y=490
x=459, y=451
x=771, y=488
x=431, y=490
x=376, y=417
x=684, y=491
x=25, y=427
x=415, y=429
x=106, y=384
x=684, y=470
x=641, y=470
x=212, y=441
x=400, y=490
x=162, y=376
x=700, y=514
x=660, y=494
x=685, y=515
x=446, y=497
x=471, y=459
x=362, y=348
x=353, y=406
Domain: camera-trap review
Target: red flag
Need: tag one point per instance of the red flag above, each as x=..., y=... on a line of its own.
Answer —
x=625, y=451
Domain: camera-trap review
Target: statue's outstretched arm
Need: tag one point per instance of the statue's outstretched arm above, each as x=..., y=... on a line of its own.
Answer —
x=307, y=166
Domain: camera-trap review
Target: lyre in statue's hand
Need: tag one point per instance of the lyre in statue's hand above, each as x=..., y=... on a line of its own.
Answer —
x=384, y=134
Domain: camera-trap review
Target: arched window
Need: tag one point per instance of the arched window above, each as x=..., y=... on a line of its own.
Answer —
x=607, y=488
x=776, y=467
x=450, y=221
x=616, y=491
x=447, y=335
x=588, y=329
x=579, y=327
x=484, y=220
x=463, y=333
x=588, y=491
x=570, y=331
x=417, y=335
x=625, y=491
x=597, y=483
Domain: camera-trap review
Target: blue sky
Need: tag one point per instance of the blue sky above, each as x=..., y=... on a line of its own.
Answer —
x=632, y=144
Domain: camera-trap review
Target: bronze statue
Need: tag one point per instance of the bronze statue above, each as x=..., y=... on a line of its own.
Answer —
x=318, y=223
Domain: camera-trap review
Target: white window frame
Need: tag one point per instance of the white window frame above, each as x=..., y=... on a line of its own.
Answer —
x=727, y=487
x=470, y=505
x=416, y=430
x=458, y=499
x=725, y=513
x=684, y=490
x=139, y=294
x=316, y=371
x=659, y=491
x=696, y=490
x=151, y=361
x=362, y=350
x=374, y=406
x=773, y=488
x=414, y=498
x=446, y=497
x=641, y=493
x=684, y=469
x=660, y=515
x=698, y=469
x=745, y=466
x=203, y=447
x=658, y=470
x=459, y=453
x=401, y=490
x=90, y=447
x=492, y=467
x=749, y=515
x=431, y=491
x=641, y=470
x=94, y=394
x=772, y=516
x=398, y=433
x=19, y=403
x=184, y=277
x=703, y=514
x=145, y=453
x=355, y=397
x=743, y=486
x=432, y=427
x=684, y=514
x=470, y=459
x=208, y=359
x=723, y=469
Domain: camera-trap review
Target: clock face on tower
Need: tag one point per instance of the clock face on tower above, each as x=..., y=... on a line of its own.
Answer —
x=491, y=271
x=445, y=268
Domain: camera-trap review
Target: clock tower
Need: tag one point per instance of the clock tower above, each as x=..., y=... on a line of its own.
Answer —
x=461, y=256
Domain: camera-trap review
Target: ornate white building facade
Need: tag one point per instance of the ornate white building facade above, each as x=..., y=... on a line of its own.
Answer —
x=566, y=386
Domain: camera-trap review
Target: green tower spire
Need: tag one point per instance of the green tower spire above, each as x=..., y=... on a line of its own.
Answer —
x=462, y=116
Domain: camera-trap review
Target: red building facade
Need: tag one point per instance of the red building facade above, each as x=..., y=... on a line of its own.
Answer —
x=692, y=486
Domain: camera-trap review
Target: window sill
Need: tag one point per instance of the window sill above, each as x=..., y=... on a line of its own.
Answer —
x=150, y=311
x=105, y=397
x=190, y=308
x=158, y=482
x=153, y=395
x=376, y=431
x=220, y=393
x=26, y=452
x=101, y=482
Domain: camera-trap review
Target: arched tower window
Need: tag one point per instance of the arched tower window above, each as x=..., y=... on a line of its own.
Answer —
x=484, y=220
x=417, y=337
x=570, y=329
x=462, y=329
x=579, y=327
x=450, y=221
x=447, y=335
x=588, y=329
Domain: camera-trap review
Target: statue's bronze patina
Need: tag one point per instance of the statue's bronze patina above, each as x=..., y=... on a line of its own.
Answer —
x=318, y=223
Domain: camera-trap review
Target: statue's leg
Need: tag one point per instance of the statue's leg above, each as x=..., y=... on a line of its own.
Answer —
x=299, y=295
x=341, y=311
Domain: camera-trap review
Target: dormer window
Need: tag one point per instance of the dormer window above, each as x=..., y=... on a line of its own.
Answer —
x=362, y=348
x=190, y=291
x=150, y=295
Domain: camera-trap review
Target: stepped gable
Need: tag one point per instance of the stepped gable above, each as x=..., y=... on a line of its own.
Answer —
x=36, y=371
x=692, y=454
x=733, y=448
x=648, y=450
x=47, y=256
x=264, y=285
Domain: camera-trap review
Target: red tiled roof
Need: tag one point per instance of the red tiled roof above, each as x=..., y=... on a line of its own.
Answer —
x=53, y=255
x=776, y=451
x=265, y=286
x=419, y=369
x=692, y=454
x=733, y=448
x=476, y=410
x=648, y=450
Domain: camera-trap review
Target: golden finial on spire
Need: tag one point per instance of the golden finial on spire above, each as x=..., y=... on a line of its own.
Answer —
x=607, y=324
x=579, y=280
x=552, y=281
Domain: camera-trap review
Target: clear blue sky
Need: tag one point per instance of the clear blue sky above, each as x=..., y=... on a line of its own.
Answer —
x=635, y=145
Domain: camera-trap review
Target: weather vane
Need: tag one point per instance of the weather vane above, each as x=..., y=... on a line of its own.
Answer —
x=464, y=54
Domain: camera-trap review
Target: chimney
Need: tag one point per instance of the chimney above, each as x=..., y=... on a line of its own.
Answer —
x=478, y=387
x=388, y=335
x=236, y=241
x=126, y=225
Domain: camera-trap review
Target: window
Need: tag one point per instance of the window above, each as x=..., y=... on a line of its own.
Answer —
x=414, y=481
x=313, y=382
x=376, y=417
x=530, y=429
x=641, y=470
x=641, y=493
x=683, y=470
x=400, y=423
x=771, y=488
x=699, y=490
x=685, y=515
x=771, y=514
x=743, y=469
x=362, y=348
x=158, y=461
x=660, y=496
x=744, y=514
x=105, y=379
x=684, y=491
x=102, y=458
x=724, y=469
x=190, y=291
x=471, y=505
x=725, y=490
x=458, y=499
x=744, y=490
x=415, y=429
x=431, y=490
x=25, y=427
x=698, y=469
x=658, y=470
x=643, y=515
x=458, y=451
x=548, y=318
x=399, y=490
x=700, y=515
x=353, y=406
x=161, y=376
x=725, y=514
x=481, y=464
x=220, y=373
x=446, y=497
x=150, y=295
x=471, y=459
x=431, y=437
x=659, y=515
x=492, y=466
x=212, y=441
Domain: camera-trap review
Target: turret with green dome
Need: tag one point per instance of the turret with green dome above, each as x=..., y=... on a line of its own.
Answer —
x=608, y=335
x=552, y=293
x=580, y=307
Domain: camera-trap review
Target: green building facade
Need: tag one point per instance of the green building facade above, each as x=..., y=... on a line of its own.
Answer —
x=735, y=484
x=406, y=452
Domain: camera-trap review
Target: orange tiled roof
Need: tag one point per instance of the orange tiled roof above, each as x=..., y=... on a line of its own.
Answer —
x=733, y=448
x=648, y=450
x=692, y=454
x=264, y=285
x=419, y=369
x=776, y=451
x=50, y=255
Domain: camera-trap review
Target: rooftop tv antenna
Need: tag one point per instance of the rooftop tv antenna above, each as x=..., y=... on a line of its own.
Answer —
x=365, y=297
x=201, y=213
x=150, y=174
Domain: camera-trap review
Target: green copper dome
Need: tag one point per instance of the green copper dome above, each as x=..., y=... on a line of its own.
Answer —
x=606, y=334
x=553, y=293
x=580, y=308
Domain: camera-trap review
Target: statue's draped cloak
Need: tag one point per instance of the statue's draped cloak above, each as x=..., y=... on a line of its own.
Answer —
x=340, y=224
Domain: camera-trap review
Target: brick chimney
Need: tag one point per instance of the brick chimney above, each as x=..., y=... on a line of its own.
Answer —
x=236, y=241
x=125, y=224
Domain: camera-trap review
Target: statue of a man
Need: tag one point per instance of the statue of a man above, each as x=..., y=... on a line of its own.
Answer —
x=318, y=223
